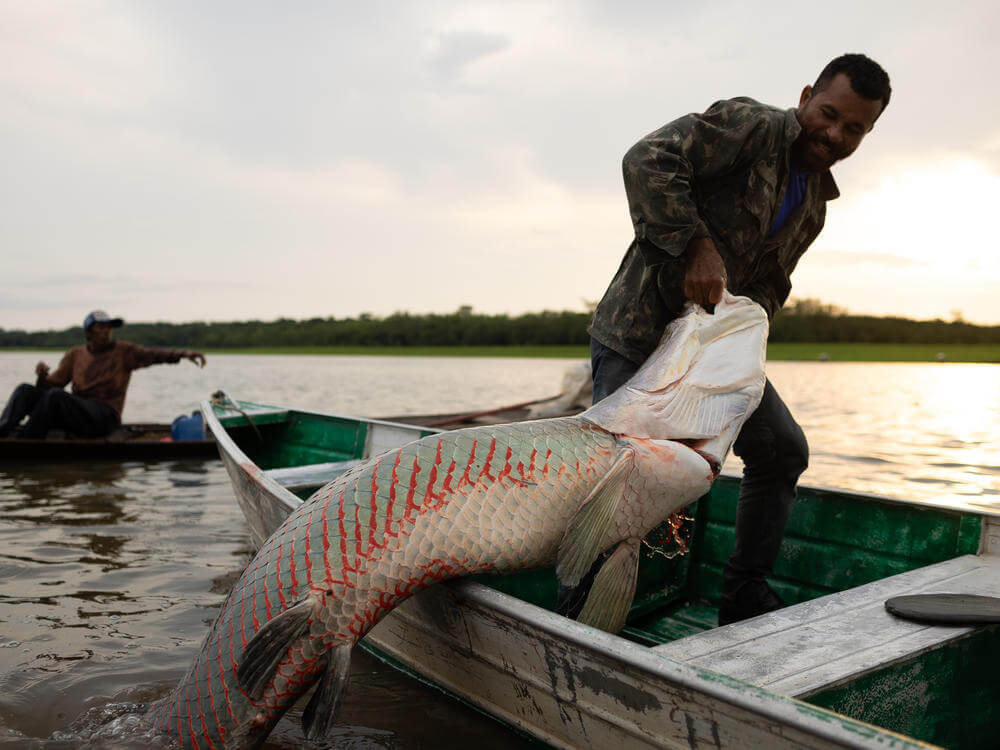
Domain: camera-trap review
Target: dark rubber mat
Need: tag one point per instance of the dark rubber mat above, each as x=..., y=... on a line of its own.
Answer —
x=958, y=609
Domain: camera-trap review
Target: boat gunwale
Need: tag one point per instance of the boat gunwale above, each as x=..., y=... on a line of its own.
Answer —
x=229, y=448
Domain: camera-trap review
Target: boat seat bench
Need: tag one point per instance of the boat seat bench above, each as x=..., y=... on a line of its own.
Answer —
x=310, y=476
x=833, y=640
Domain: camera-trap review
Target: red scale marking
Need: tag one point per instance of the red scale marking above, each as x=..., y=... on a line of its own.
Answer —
x=465, y=481
x=507, y=468
x=429, y=495
x=308, y=552
x=278, y=586
x=225, y=687
x=291, y=567
x=344, y=564
x=489, y=458
x=328, y=574
x=373, y=520
x=243, y=616
x=410, y=507
x=232, y=655
x=593, y=467
x=180, y=727
x=211, y=699
x=357, y=522
x=253, y=593
x=194, y=739
x=358, y=551
x=446, y=489
x=201, y=714
x=326, y=532
x=392, y=495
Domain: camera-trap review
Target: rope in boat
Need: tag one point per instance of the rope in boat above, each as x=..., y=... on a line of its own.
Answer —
x=220, y=399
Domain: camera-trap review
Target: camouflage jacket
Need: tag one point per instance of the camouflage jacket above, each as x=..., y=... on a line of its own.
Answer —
x=721, y=174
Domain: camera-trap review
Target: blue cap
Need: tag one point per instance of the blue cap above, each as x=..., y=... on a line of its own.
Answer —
x=99, y=316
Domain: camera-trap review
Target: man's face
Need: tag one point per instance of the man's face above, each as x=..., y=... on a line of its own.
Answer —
x=99, y=334
x=834, y=121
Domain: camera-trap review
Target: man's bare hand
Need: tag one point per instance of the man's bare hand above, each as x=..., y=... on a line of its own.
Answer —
x=197, y=357
x=42, y=370
x=705, y=275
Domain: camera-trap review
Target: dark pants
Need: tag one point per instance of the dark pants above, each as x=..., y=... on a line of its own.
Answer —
x=54, y=408
x=774, y=452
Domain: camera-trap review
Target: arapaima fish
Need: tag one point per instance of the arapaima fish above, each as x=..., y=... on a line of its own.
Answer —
x=484, y=499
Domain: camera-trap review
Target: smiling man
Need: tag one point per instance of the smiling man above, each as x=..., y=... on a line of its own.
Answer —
x=730, y=199
x=100, y=373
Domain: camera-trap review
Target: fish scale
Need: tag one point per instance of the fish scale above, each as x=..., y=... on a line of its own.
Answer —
x=381, y=533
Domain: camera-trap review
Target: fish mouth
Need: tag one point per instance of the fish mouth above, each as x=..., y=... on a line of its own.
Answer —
x=713, y=462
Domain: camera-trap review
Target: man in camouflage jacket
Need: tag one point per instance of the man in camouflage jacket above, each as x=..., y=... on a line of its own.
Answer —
x=731, y=199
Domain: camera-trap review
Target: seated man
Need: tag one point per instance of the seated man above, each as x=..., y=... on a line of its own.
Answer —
x=99, y=371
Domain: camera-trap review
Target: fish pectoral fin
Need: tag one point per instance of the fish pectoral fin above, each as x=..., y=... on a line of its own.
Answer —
x=270, y=645
x=611, y=596
x=581, y=544
x=322, y=708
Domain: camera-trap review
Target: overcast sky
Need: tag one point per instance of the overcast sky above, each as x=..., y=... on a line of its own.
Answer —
x=188, y=161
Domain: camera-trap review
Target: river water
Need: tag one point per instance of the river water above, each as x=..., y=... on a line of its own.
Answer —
x=111, y=573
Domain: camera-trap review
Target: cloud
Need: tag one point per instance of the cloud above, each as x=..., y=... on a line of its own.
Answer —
x=392, y=155
x=454, y=51
x=61, y=300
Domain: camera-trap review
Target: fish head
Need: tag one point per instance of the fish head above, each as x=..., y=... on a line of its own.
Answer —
x=700, y=385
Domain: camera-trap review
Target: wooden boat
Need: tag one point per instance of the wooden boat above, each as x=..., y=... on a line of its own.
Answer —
x=130, y=442
x=833, y=669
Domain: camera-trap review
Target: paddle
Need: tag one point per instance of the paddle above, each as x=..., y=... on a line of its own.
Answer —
x=952, y=609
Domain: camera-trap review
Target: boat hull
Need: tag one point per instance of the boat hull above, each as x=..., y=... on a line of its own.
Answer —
x=146, y=442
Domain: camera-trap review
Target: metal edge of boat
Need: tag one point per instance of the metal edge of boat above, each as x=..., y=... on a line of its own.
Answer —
x=561, y=682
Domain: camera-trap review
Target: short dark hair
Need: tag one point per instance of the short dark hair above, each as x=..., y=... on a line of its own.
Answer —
x=866, y=76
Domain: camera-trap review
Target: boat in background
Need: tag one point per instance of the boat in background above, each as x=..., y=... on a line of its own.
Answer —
x=130, y=442
x=833, y=669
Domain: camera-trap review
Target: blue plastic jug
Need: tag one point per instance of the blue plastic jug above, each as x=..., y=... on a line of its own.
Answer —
x=188, y=428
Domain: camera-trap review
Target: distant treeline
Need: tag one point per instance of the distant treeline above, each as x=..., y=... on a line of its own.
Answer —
x=803, y=321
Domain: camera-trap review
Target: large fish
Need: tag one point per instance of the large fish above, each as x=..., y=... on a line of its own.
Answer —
x=498, y=498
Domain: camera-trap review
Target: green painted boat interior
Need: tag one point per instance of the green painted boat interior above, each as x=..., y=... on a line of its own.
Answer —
x=281, y=438
x=946, y=696
x=834, y=541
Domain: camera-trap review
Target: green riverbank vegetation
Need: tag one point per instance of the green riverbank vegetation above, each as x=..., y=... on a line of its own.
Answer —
x=805, y=330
